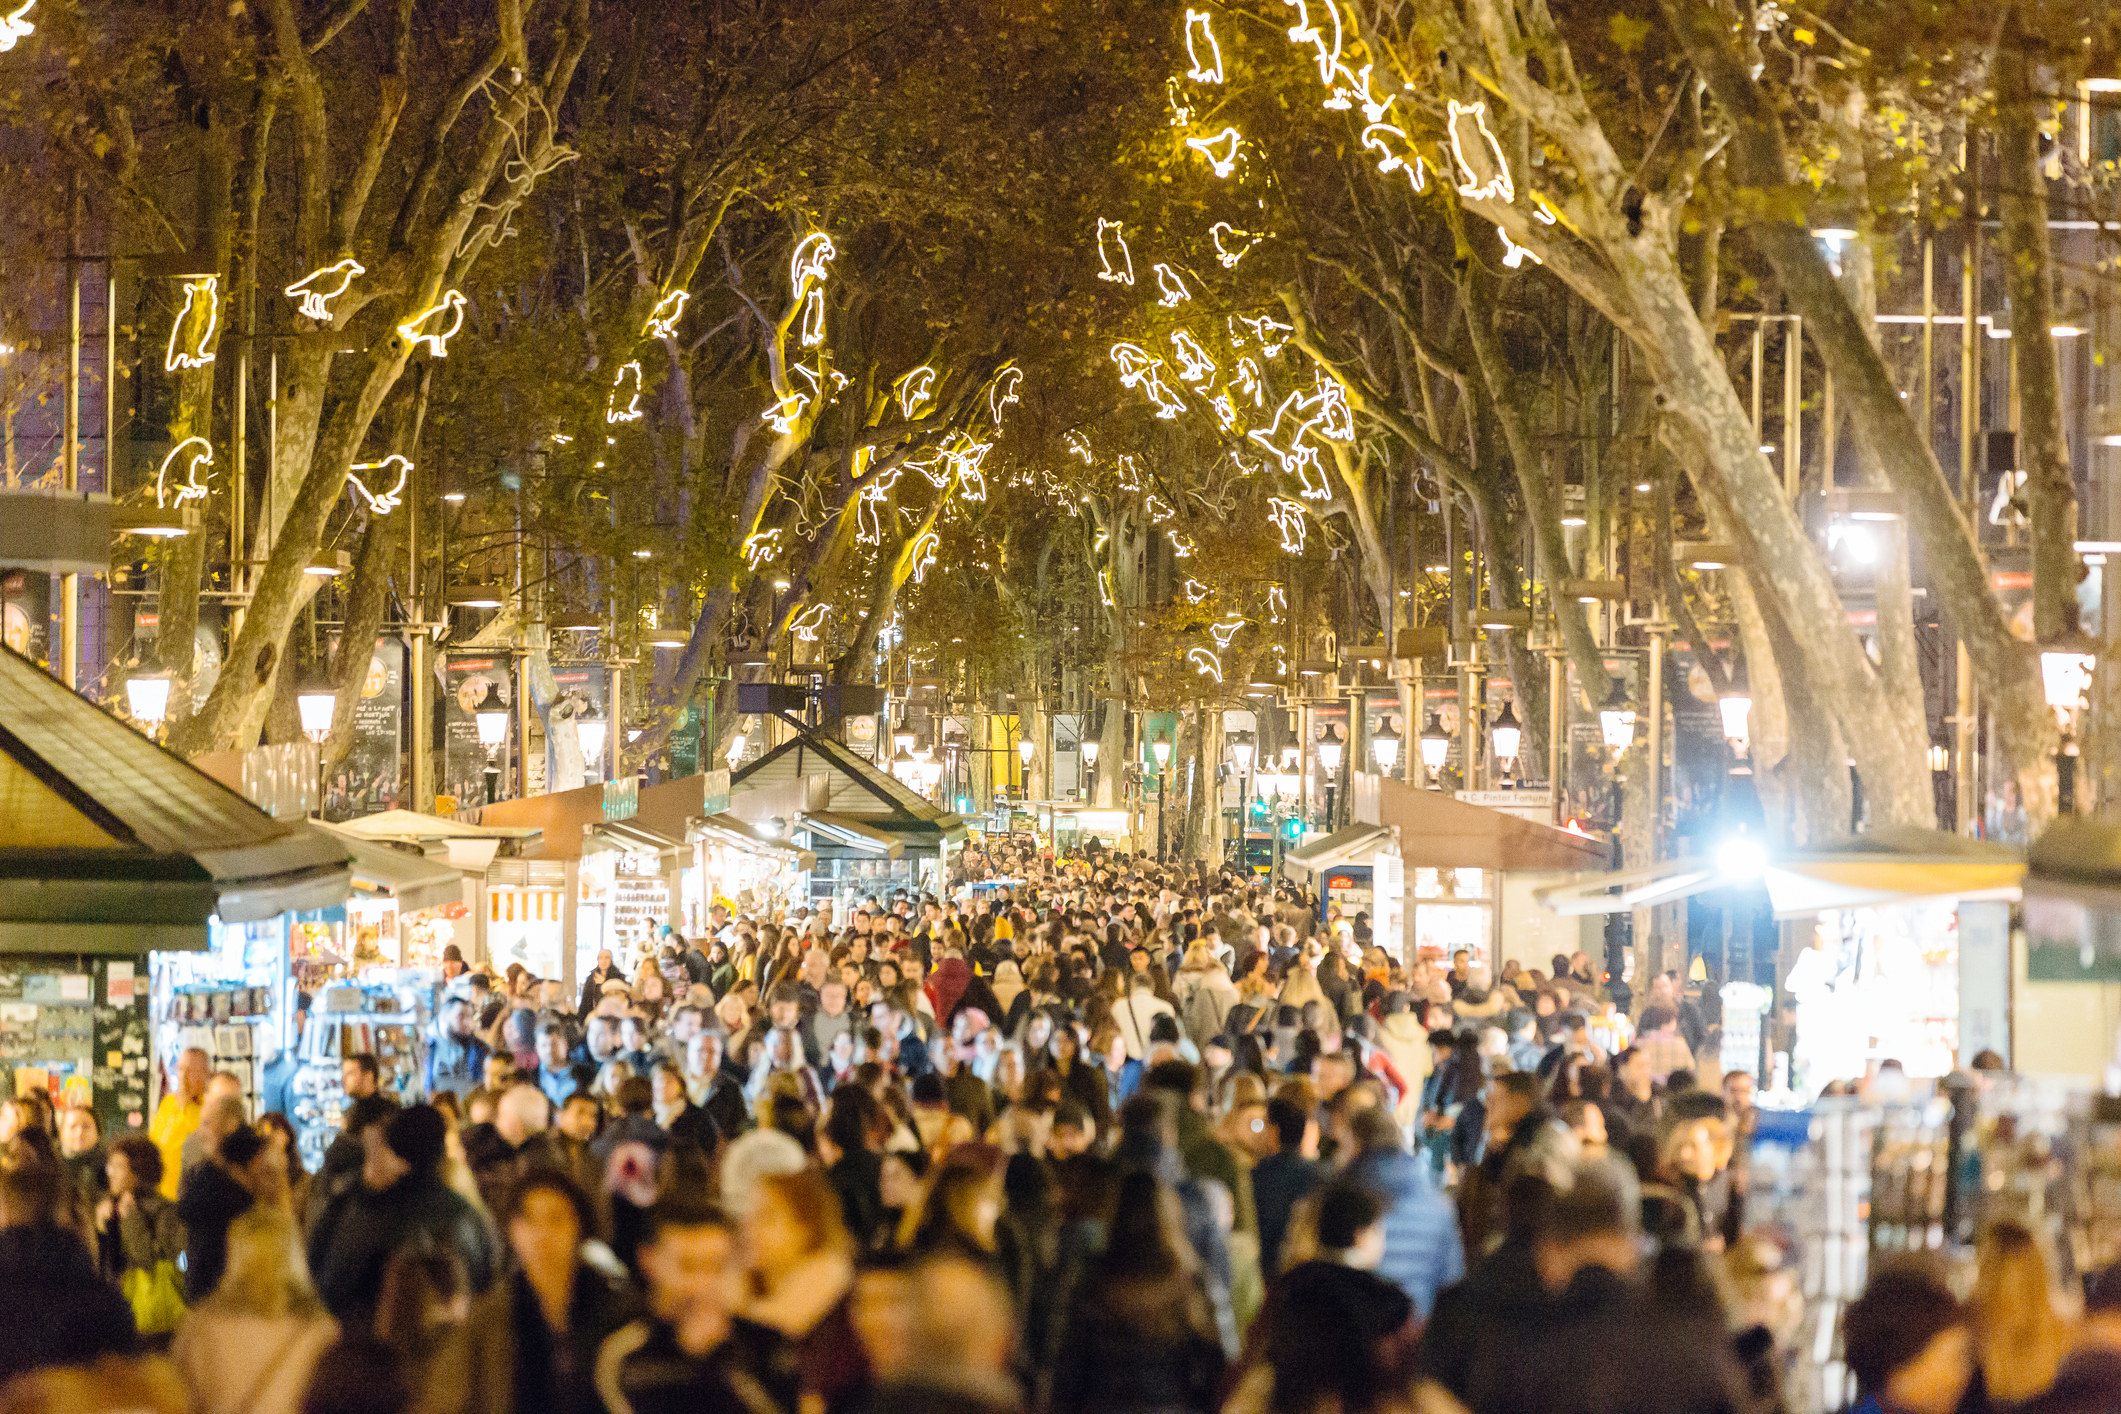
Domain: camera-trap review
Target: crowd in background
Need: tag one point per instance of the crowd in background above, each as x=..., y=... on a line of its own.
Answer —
x=1077, y=1136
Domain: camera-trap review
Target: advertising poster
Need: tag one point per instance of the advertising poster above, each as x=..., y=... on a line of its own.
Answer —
x=465, y=678
x=584, y=690
x=370, y=777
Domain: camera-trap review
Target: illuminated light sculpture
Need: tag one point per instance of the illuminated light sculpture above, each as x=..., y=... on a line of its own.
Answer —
x=761, y=548
x=1194, y=591
x=1104, y=589
x=1104, y=537
x=1225, y=411
x=1222, y=233
x=965, y=458
x=381, y=503
x=1325, y=413
x=195, y=452
x=1473, y=183
x=1194, y=365
x=1244, y=468
x=1226, y=630
x=1140, y=368
x=1200, y=40
x=1002, y=392
x=435, y=325
x=1220, y=150
x=913, y=389
x=1543, y=211
x=1157, y=509
x=1373, y=138
x=1304, y=32
x=931, y=464
x=663, y=319
x=191, y=336
x=784, y=414
x=807, y=623
x=1373, y=108
x=1246, y=376
x=1265, y=328
x=1335, y=421
x=813, y=319
x=813, y=255
x=1174, y=289
x=924, y=554
x=1079, y=446
x=314, y=292
x=1513, y=254
x=1288, y=521
x=1112, y=251
x=1205, y=663
x=14, y=28
x=1181, y=111
x=1130, y=477
x=1182, y=546
x=628, y=388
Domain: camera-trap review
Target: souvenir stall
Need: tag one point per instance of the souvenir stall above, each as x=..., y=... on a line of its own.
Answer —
x=386, y=1014
x=1446, y=875
x=120, y=858
x=481, y=855
x=234, y=1000
x=743, y=869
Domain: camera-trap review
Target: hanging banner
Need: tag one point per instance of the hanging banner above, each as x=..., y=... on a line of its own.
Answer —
x=585, y=689
x=684, y=743
x=465, y=678
x=370, y=777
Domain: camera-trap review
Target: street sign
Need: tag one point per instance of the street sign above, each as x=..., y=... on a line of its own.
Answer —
x=1536, y=805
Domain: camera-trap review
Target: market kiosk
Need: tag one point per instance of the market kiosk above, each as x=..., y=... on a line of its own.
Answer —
x=114, y=852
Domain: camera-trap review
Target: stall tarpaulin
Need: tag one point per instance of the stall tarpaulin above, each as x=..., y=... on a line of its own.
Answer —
x=1350, y=844
x=1437, y=832
x=413, y=880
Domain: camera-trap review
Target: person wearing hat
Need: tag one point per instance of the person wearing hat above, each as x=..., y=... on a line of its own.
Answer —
x=401, y=1201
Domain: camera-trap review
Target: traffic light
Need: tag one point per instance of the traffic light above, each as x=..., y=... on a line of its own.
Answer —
x=1294, y=828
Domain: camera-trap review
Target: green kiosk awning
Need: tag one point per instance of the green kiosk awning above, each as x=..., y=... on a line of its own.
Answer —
x=109, y=844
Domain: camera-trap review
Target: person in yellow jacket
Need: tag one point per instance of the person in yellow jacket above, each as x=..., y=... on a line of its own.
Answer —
x=178, y=1115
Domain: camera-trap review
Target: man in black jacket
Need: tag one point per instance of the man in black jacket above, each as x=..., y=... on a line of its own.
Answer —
x=214, y=1195
x=400, y=1200
x=679, y=1118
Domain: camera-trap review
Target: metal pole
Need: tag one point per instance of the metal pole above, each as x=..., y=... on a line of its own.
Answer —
x=69, y=654
x=421, y=736
x=1557, y=732
x=1965, y=795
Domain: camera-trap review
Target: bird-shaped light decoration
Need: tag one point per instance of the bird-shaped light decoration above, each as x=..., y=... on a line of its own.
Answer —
x=1269, y=331
x=1380, y=139
x=192, y=454
x=380, y=503
x=807, y=623
x=436, y=325
x=1194, y=365
x=913, y=390
x=813, y=319
x=1002, y=392
x=1113, y=253
x=1226, y=630
x=1205, y=663
x=1226, y=238
x=1288, y=521
x=314, y=292
x=1201, y=48
x=1078, y=446
x=1220, y=150
x=1140, y=368
x=624, y=404
x=191, y=337
x=663, y=319
x=1182, y=546
x=924, y=554
x=1483, y=172
x=761, y=548
x=811, y=261
x=1513, y=254
x=1246, y=376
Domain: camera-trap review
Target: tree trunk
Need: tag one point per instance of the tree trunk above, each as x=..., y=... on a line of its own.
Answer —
x=2043, y=448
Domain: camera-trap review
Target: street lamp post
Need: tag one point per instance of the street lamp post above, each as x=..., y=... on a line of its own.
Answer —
x=1090, y=747
x=315, y=705
x=1330, y=746
x=1508, y=734
x=147, y=698
x=1161, y=749
x=1384, y=746
x=491, y=715
x=2066, y=664
x=590, y=734
x=1435, y=750
x=1241, y=748
x=1026, y=748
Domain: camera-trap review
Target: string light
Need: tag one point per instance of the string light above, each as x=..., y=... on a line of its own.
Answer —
x=1244, y=468
x=1079, y=446
x=913, y=389
x=1129, y=472
x=1206, y=664
x=1225, y=411
x=807, y=623
x=1140, y=368
x=1220, y=150
x=1194, y=591
x=762, y=548
x=383, y=503
x=1111, y=241
x=314, y=292
x=1182, y=546
x=629, y=376
x=435, y=325
x=663, y=319
x=14, y=28
x=198, y=452
x=1104, y=589
x=1157, y=509
x=1097, y=546
x=924, y=554
x=965, y=459
x=1246, y=376
x=1002, y=392
x=1194, y=365
x=1471, y=186
x=1277, y=602
x=1222, y=233
x=1223, y=632
x=200, y=313
x=1201, y=38
x=1513, y=254
x=1175, y=291
x=1288, y=521
x=1265, y=328
x=1373, y=138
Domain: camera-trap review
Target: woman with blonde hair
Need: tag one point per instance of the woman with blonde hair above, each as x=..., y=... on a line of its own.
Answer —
x=249, y=1347
x=802, y=1282
x=2020, y=1330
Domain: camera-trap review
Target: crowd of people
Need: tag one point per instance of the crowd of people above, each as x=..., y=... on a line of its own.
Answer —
x=1083, y=1136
